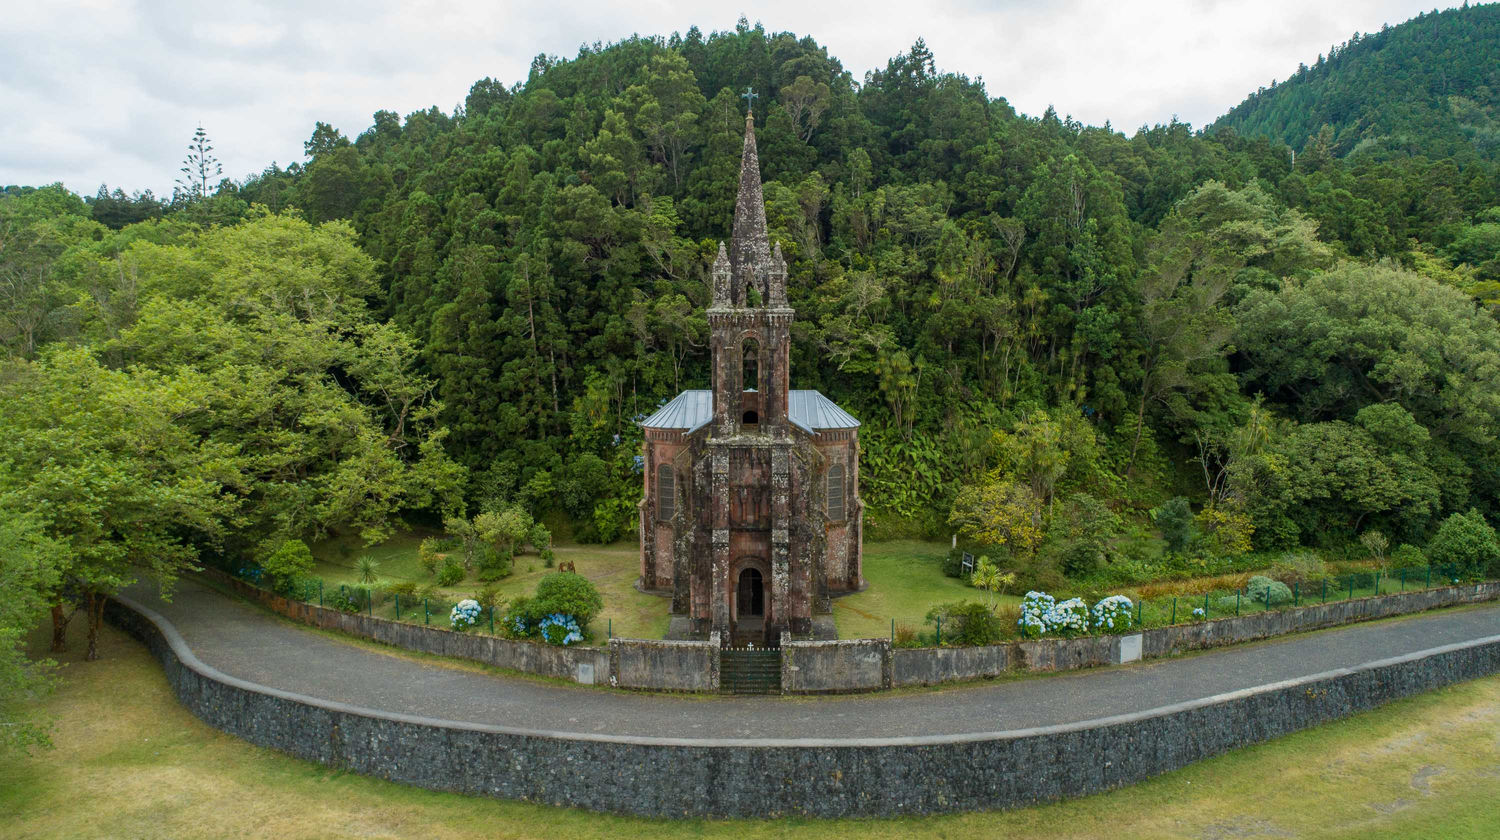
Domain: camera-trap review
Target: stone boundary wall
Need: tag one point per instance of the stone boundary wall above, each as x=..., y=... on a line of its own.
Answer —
x=760, y=778
x=665, y=665
x=832, y=667
x=851, y=665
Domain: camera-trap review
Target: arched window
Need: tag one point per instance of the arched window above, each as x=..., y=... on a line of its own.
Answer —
x=750, y=359
x=666, y=493
x=836, y=492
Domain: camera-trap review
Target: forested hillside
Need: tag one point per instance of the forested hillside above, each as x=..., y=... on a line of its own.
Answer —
x=1430, y=86
x=1049, y=330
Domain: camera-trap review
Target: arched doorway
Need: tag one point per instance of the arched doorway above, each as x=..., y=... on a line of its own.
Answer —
x=750, y=595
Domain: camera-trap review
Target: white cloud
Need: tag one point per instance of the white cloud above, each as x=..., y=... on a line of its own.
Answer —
x=108, y=91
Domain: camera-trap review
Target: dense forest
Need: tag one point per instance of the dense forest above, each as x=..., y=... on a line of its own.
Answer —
x=1430, y=86
x=1052, y=332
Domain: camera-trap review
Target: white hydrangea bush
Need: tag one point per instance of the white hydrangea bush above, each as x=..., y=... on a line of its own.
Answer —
x=465, y=614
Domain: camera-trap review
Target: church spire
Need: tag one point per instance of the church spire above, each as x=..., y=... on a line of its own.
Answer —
x=750, y=247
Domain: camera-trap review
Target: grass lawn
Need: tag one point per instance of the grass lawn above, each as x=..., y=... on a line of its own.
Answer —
x=612, y=568
x=905, y=580
x=130, y=762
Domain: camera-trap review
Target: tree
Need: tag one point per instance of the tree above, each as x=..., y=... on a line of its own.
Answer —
x=1000, y=513
x=100, y=458
x=28, y=575
x=199, y=168
x=1466, y=546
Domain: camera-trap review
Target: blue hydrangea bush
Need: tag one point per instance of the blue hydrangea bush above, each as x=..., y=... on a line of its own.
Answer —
x=1112, y=614
x=1042, y=614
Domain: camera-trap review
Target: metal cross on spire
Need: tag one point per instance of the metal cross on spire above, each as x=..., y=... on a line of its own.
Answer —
x=749, y=96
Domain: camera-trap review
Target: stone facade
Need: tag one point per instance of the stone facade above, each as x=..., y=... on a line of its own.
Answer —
x=751, y=515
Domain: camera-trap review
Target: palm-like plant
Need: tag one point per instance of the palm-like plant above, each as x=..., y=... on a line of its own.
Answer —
x=987, y=576
x=367, y=568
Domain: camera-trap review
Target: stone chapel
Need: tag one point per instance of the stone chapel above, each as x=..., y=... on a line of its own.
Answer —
x=751, y=518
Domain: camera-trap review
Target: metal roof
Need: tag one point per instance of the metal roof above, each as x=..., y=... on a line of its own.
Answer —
x=688, y=410
x=812, y=410
x=691, y=410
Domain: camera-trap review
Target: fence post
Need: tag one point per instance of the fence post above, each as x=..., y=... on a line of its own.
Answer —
x=1205, y=606
x=398, y=606
x=1351, y=588
x=1138, y=605
x=492, y=621
x=1428, y=584
x=1297, y=594
x=1325, y=590
x=1377, y=582
x=939, y=631
x=611, y=630
x=320, y=592
x=1403, y=580
x=1238, y=594
x=370, y=602
x=426, y=613
x=1174, y=610
x=1268, y=599
x=893, y=631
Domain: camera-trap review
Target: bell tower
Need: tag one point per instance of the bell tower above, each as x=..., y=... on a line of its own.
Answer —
x=749, y=320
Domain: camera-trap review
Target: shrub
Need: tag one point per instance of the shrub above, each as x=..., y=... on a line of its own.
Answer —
x=559, y=629
x=966, y=623
x=343, y=599
x=1042, y=614
x=1175, y=519
x=1259, y=587
x=465, y=614
x=404, y=588
x=906, y=636
x=548, y=558
x=451, y=573
x=1466, y=544
x=1407, y=556
x=1226, y=532
x=520, y=619
x=494, y=563
x=1299, y=567
x=569, y=593
x=490, y=598
x=953, y=564
x=1112, y=613
x=429, y=555
x=290, y=560
x=539, y=537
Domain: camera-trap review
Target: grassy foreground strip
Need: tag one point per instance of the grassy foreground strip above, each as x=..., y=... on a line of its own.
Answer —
x=130, y=762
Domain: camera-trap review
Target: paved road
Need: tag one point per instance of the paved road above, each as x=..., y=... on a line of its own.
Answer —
x=247, y=642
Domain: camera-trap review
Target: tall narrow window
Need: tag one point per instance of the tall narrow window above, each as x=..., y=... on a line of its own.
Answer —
x=666, y=493
x=836, y=492
x=750, y=378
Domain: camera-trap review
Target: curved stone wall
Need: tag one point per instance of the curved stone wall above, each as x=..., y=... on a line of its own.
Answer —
x=681, y=777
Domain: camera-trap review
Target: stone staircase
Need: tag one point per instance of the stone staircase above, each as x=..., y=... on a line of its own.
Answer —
x=749, y=671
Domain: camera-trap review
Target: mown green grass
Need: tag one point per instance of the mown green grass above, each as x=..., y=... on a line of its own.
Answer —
x=613, y=569
x=130, y=762
x=905, y=580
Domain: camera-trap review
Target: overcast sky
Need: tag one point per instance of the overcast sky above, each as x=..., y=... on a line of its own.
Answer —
x=96, y=91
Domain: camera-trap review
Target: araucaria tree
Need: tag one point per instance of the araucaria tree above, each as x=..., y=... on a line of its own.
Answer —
x=199, y=167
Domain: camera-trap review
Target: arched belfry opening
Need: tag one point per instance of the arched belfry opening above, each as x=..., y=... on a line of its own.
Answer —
x=750, y=365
